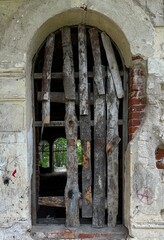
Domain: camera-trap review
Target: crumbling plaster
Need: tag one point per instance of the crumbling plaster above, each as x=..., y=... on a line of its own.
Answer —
x=137, y=28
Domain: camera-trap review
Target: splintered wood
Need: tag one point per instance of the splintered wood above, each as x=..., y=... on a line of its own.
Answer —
x=112, y=151
x=112, y=65
x=46, y=78
x=98, y=219
x=85, y=136
x=71, y=189
x=68, y=66
x=97, y=61
x=83, y=78
x=85, y=125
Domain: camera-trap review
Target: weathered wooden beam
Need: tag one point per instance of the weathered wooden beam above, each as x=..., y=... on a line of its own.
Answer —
x=85, y=136
x=59, y=75
x=59, y=97
x=94, y=37
x=62, y=123
x=71, y=189
x=112, y=65
x=46, y=78
x=98, y=219
x=83, y=77
x=112, y=151
x=57, y=201
x=52, y=201
x=68, y=67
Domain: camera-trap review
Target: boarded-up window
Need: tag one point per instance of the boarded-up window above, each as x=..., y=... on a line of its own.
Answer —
x=79, y=88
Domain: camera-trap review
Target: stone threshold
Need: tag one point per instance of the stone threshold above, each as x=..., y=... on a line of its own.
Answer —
x=42, y=231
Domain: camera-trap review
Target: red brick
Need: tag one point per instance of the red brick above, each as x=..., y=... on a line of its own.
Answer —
x=134, y=115
x=159, y=156
x=159, y=151
x=159, y=165
x=89, y=235
x=135, y=101
x=137, y=108
x=132, y=130
x=69, y=234
x=136, y=58
x=134, y=122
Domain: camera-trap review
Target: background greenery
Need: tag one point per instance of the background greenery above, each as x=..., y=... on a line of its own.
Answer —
x=59, y=153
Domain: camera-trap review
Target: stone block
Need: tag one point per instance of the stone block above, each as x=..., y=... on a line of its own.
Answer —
x=12, y=116
x=12, y=88
x=156, y=66
x=157, y=9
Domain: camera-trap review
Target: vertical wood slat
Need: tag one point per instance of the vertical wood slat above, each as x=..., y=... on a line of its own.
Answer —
x=85, y=136
x=83, y=73
x=71, y=189
x=112, y=151
x=97, y=60
x=112, y=65
x=46, y=78
x=68, y=66
x=98, y=219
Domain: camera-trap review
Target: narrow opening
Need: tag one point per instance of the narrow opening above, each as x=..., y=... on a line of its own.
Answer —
x=51, y=141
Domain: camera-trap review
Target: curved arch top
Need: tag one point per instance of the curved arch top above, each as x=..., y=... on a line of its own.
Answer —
x=92, y=18
x=123, y=22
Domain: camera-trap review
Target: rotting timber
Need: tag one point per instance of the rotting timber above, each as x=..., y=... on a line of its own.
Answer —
x=91, y=91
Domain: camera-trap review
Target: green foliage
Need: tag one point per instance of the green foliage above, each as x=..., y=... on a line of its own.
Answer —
x=79, y=152
x=44, y=154
x=60, y=153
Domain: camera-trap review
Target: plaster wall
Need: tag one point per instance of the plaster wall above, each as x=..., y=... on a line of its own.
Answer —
x=137, y=27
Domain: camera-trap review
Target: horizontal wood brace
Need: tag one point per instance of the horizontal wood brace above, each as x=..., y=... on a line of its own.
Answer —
x=62, y=123
x=59, y=97
x=59, y=75
x=57, y=201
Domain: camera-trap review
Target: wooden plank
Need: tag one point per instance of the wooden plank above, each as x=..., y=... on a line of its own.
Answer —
x=85, y=136
x=68, y=67
x=97, y=61
x=59, y=75
x=112, y=65
x=59, y=97
x=46, y=78
x=57, y=201
x=52, y=201
x=71, y=189
x=62, y=123
x=112, y=151
x=98, y=219
x=83, y=77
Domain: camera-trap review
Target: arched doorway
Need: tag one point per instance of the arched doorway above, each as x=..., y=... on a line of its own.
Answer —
x=79, y=80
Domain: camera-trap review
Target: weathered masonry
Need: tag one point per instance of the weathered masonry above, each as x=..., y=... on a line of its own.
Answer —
x=81, y=119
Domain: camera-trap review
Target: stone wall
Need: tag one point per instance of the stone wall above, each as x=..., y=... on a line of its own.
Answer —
x=137, y=28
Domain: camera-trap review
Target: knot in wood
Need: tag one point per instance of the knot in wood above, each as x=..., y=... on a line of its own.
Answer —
x=70, y=194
